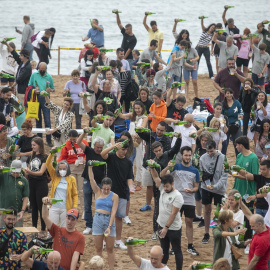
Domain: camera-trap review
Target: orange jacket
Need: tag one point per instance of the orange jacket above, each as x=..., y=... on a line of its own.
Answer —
x=160, y=112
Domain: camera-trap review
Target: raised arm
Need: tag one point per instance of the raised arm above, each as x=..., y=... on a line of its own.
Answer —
x=245, y=209
x=135, y=258
x=119, y=21
x=215, y=38
x=155, y=176
x=93, y=183
x=45, y=213
x=105, y=153
x=171, y=95
x=86, y=105
x=145, y=24
x=202, y=24
x=223, y=16
x=94, y=84
x=79, y=140
x=174, y=26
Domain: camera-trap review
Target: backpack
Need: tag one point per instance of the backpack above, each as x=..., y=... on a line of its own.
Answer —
x=267, y=87
x=34, y=37
x=132, y=90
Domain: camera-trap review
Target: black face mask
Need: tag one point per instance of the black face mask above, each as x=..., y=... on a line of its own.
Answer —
x=42, y=72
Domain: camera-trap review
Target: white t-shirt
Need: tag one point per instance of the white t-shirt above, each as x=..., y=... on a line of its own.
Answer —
x=166, y=202
x=228, y=251
x=146, y=265
x=267, y=216
x=239, y=217
x=186, y=140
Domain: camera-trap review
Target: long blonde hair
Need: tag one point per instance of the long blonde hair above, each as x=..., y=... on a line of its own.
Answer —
x=237, y=206
x=213, y=122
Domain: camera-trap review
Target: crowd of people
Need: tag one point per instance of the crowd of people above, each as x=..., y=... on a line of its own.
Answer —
x=140, y=134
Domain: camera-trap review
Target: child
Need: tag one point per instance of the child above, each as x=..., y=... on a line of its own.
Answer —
x=34, y=66
x=44, y=51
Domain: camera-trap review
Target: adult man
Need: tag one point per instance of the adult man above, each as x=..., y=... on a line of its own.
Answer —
x=229, y=24
x=67, y=240
x=169, y=220
x=259, y=251
x=120, y=171
x=266, y=40
x=154, y=33
x=151, y=54
x=155, y=262
x=91, y=154
x=129, y=40
x=14, y=190
x=211, y=166
x=186, y=181
x=225, y=79
x=104, y=132
x=27, y=33
x=39, y=80
x=149, y=138
x=16, y=242
x=96, y=33
x=120, y=55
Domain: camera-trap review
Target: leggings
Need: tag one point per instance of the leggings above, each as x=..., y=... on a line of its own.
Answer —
x=38, y=190
x=156, y=209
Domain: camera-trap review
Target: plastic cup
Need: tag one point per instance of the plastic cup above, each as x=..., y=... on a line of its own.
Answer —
x=185, y=185
x=258, y=103
x=245, y=198
x=231, y=72
x=80, y=160
x=234, y=173
x=208, y=183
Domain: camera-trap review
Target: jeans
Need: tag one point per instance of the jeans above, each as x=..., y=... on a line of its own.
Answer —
x=261, y=212
x=78, y=117
x=233, y=137
x=30, y=48
x=206, y=53
x=176, y=79
x=245, y=123
x=47, y=119
x=173, y=238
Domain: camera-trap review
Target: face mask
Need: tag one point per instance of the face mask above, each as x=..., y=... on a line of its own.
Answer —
x=63, y=173
x=42, y=72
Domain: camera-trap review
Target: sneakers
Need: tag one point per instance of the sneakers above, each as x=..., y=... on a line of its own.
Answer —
x=171, y=252
x=197, y=219
x=201, y=224
x=206, y=238
x=127, y=220
x=193, y=251
x=87, y=230
x=146, y=207
x=154, y=236
x=247, y=250
x=119, y=244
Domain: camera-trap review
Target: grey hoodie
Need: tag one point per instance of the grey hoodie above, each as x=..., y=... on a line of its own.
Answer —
x=27, y=33
x=207, y=164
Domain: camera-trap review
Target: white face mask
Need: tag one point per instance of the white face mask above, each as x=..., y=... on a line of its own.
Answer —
x=63, y=173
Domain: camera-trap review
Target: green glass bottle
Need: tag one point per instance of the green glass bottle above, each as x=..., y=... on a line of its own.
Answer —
x=95, y=163
x=142, y=64
x=84, y=95
x=204, y=124
x=202, y=265
x=131, y=107
x=68, y=94
x=122, y=144
x=134, y=241
x=103, y=68
x=96, y=118
x=7, y=76
x=140, y=130
x=237, y=168
x=265, y=190
x=91, y=22
x=152, y=164
x=119, y=110
x=178, y=84
x=4, y=211
x=252, y=114
x=105, y=50
x=12, y=148
x=108, y=100
x=47, y=85
x=6, y=169
x=242, y=236
x=193, y=135
x=227, y=7
x=172, y=134
x=116, y=11
x=7, y=40
x=57, y=149
x=173, y=162
x=91, y=130
x=54, y=201
x=212, y=129
x=220, y=31
x=266, y=22
x=179, y=20
x=237, y=196
x=202, y=17
x=149, y=13
x=179, y=123
x=186, y=52
x=217, y=212
x=54, y=161
x=44, y=94
x=17, y=105
x=226, y=165
x=41, y=251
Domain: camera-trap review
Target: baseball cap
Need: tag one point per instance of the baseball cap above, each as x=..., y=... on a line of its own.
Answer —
x=25, y=53
x=73, y=212
x=17, y=164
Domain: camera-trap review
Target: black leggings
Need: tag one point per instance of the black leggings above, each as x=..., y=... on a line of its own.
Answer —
x=38, y=190
x=156, y=209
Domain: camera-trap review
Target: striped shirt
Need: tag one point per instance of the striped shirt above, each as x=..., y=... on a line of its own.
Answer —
x=205, y=38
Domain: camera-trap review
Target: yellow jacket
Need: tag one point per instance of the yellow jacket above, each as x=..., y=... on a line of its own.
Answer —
x=72, y=193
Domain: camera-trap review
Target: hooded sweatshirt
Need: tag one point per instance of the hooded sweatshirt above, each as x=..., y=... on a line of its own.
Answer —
x=207, y=164
x=160, y=112
x=28, y=32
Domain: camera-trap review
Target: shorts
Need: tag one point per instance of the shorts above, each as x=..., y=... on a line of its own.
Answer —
x=207, y=197
x=198, y=193
x=121, y=209
x=147, y=180
x=189, y=211
x=100, y=224
x=5, y=80
x=257, y=80
x=242, y=62
x=193, y=73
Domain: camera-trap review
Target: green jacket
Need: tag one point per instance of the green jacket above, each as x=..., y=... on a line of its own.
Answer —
x=220, y=244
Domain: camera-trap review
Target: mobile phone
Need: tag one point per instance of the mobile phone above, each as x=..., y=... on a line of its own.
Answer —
x=16, y=29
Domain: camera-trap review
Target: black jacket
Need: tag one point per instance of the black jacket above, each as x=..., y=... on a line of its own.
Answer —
x=246, y=106
x=24, y=74
x=149, y=138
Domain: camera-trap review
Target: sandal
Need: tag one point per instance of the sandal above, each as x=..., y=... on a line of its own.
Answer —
x=138, y=188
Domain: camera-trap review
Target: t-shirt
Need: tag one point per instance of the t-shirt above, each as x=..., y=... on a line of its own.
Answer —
x=239, y=217
x=166, y=202
x=176, y=65
x=267, y=216
x=147, y=104
x=119, y=170
x=174, y=113
x=185, y=131
x=251, y=164
x=261, y=181
x=61, y=194
x=224, y=79
x=205, y=38
x=260, y=60
x=148, y=54
x=260, y=246
x=191, y=55
x=106, y=133
x=225, y=53
x=99, y=171
x=24, y=143
x=231, y=31
x=75, y=89
x=42, y=266
x=96, y=36
x=217, y=136
x=233, y=111
x=66, y=243
x=146, y=265
x=36, y=162
x=128, y=42
x=157, y=35
x=185, y=177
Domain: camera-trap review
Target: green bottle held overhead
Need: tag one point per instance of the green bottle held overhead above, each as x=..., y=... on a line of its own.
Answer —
x=122, y=144
x=142, y=64
x=12, y=148
x=202, y=265
x=266, y=22
x=44, y=94
x=179, y=20
x=108, y=100
x=226, y=165
x=54, y=201
x=4, y=211
x=41, y=251
x=149, y=13
x=140, y=130
x=96, y=118
x=172, y=134
x=152, y=164
x=178, y=84
x=105, y=50
x=237, y=196
x=253, y=35
x=220, y=31
x=252, y=114
x=217, y=212
x=202, y=17
x=212, y=129
x=103, y=68
x=84, y=95
x=242, y=236
x=7, y=40
x=6, y=169
x=204, y=124
x=54, y=161
x=227, y=7
x=237, y=168
x=91, y=22
x=95, y=163
x=118, y=111
x=116, y=11
x=57, y=149
x=180, y=123
x=134, y=241
x=173, y=162
x=91, y=130
x=7, y=76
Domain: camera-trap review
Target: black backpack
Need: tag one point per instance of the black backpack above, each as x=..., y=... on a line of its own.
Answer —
x=132, y=90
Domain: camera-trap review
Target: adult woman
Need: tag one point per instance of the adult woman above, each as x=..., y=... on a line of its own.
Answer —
x=150, y=82
x=183, y=35
x=62, y=119
x=38, y=181
x=86, y=63
x=141, y=72
x=72, y=89
x=103, y=59
x=5, y=143
x=144, y=98
x=63, y=188
x=247, y=97
x=106, y=203
x=190, y=67
x=224, y=236
x=264, y=138
x=262, y=111
x=232, y=109
x=24, y=142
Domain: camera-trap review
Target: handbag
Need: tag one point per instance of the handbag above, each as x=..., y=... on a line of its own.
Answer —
x=233, y=128
x=235, y=250
x=33, y=108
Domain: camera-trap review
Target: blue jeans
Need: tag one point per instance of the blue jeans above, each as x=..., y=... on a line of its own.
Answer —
x=30, y=48
x=206, y=53
x=47, y=119
x=261, y=212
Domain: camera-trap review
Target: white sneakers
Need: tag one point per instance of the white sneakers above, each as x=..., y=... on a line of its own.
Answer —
x=87, y=230
x=119, y=244
x=127, y=220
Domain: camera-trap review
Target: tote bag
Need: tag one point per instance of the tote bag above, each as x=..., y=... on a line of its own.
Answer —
x=33, y=108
